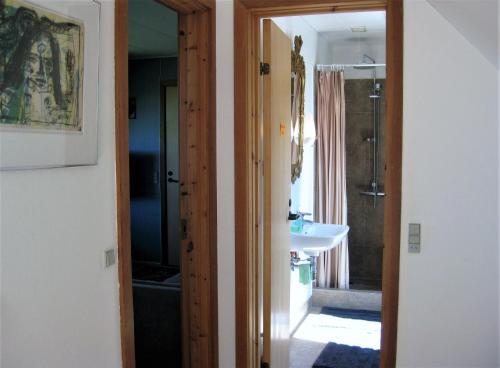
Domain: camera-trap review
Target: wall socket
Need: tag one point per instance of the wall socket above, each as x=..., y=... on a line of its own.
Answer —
x=414, y=238
x=109, y=257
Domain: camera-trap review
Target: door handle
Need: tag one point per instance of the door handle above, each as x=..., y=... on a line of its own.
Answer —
x=170, y=180
x=293, y=216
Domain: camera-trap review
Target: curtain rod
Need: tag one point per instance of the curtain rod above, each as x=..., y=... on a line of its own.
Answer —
x=363, y=66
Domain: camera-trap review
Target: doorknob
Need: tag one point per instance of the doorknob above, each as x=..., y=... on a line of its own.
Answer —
x=170, y=180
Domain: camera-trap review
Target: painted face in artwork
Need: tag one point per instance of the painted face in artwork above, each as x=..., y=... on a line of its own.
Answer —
x=41, y=68
x=40, y=64
x=39, y=84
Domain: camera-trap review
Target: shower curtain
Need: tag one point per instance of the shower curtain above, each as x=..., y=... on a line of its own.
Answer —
x=330, y=197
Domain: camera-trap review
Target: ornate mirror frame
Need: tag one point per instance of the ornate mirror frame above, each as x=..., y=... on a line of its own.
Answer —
x=298, y=85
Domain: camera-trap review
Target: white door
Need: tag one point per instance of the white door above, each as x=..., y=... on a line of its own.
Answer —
x=277, y=148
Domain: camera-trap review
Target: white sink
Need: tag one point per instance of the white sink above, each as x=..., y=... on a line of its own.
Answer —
x=316, y=238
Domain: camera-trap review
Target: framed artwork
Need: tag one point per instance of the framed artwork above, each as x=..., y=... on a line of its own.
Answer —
x=49, y=75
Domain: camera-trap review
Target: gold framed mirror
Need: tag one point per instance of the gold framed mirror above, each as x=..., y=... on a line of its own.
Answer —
x=297, y=89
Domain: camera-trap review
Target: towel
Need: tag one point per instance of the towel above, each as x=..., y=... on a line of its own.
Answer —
x=305, y=273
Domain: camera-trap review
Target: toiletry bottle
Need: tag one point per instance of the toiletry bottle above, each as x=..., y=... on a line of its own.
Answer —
x=297, y=225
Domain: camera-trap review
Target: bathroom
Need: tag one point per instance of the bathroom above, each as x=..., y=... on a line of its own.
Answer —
x=349, y=276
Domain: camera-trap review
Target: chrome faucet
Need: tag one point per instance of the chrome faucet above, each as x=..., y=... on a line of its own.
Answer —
x=303, y=214
x=299, y=215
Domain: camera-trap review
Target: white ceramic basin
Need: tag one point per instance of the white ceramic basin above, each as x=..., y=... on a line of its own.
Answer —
x=316, y=238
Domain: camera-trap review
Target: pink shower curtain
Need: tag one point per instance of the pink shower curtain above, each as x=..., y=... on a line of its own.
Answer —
x=330, y=194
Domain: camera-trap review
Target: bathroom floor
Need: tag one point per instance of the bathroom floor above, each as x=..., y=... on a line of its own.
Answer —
x=317, y=329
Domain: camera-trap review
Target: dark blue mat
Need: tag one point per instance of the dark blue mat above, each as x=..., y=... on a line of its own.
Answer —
x=345, y=356
x=352, y=314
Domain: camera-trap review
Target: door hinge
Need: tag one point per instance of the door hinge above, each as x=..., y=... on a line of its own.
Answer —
x=264, y=68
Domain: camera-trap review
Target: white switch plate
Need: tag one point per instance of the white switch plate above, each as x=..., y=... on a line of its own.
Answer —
x=109, y=257
x=414, y=238
x=414, y=248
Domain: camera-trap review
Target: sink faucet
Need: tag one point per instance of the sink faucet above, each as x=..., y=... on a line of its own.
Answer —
x=303, y=214
x=299, y=215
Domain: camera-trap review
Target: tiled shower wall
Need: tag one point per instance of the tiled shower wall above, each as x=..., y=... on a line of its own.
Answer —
x=365, y=221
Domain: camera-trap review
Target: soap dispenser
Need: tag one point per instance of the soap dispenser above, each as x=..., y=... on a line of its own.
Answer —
x=297, y=225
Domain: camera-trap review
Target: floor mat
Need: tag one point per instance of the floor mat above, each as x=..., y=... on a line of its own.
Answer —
x=364, y=315
x=346, y=356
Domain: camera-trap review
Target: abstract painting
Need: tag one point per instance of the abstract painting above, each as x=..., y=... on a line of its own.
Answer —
x=41, y=68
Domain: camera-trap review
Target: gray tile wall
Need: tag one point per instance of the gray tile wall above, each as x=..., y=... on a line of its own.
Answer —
x=366, y=222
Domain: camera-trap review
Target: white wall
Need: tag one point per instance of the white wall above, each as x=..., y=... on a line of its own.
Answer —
x=324, y=51
x=225, y=182
x=59, y=305
x=448, y=311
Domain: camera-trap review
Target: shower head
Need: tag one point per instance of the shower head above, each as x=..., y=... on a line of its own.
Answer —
x=366, y=60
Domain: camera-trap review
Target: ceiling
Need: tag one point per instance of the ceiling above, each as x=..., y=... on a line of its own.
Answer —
x=152, y=30
x=337, y=26
x=477, y=21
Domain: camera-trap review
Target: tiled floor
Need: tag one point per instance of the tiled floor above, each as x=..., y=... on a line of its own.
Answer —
x=318, y=329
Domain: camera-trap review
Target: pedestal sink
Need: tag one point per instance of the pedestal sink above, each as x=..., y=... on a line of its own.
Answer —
x=316, y=238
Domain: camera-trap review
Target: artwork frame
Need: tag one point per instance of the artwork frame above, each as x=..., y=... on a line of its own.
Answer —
x=54, y=132
x=297, y=92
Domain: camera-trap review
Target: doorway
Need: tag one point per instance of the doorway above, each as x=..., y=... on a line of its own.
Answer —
x=338, y=120
x=248, y=98
x=192, y=184
x=154, y=186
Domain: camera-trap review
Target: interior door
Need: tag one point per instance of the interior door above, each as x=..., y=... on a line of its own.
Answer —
x=277, y=151
x=172, y=169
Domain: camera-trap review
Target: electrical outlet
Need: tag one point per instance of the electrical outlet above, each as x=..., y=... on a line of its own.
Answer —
x=414, y=238
x=109, y=257
x=414, y=248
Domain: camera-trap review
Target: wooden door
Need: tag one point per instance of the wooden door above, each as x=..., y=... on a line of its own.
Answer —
x=277, y=151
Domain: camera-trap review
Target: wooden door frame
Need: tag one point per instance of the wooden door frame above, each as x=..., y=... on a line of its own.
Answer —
x=248, y=162
x=197, y=181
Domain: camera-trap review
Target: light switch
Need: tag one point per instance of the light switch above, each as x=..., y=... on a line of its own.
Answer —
x=414, y=238
x=109, y=257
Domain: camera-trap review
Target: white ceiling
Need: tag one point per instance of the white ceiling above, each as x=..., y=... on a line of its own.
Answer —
x=476, y=20
x=337, y=26
x=152, y=30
